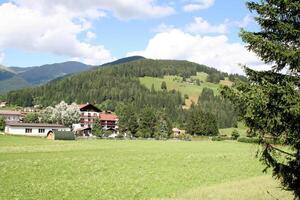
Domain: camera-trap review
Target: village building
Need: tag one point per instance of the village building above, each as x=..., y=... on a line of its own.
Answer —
x=88, y=116
x=11, y=116
x=32, y=129
x=109, y=121
x=2, y=104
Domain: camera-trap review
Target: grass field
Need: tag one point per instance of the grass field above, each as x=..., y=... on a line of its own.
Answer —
x=36, y=168
x=174, y=83
x=242, y=129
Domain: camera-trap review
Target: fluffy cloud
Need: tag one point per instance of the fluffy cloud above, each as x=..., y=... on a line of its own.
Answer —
x=30, y=30
x=195, y=5
x=214, y=51
x=123, y=9
x=199, y=25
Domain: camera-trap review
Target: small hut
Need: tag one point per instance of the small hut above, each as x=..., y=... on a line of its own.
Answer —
x=60, y=135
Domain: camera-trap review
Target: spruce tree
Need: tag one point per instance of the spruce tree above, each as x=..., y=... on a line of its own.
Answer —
x=270, y=102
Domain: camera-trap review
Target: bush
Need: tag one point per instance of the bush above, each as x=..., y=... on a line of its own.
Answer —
x=248, y=140
x=64, y=135
x=2, y=123
x=184, y=136
x=235, y=135
x=219, y=138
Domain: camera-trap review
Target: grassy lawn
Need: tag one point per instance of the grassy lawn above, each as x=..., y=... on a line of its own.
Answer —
x=242, y=129
x=173, y=82
x=35, y=168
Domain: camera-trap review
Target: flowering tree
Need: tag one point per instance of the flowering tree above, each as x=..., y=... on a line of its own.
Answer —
x=62, y=113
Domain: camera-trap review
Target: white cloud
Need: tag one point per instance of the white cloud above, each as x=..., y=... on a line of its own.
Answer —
x=30, y=30
x=90, y=35
x=195, y=5
x=214, y=51
x=163, y=27
x=199, y=25
x=123, y=9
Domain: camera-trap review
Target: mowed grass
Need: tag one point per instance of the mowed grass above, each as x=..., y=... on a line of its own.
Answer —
x=174, y=83
x=36, y=168
x=242, y=130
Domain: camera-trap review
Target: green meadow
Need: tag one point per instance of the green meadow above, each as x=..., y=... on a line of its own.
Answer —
x=36, y=168
x=176, y=83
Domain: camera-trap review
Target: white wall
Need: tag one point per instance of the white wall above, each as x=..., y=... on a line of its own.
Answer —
x=35, y=130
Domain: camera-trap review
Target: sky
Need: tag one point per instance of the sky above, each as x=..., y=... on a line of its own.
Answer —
x=36, y=32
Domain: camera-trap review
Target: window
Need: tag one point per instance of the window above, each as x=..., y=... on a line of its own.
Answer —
x=41, y=130
x=28, y=130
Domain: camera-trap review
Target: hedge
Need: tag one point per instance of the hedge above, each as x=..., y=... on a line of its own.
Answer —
x=64, y=135
x=248, y=140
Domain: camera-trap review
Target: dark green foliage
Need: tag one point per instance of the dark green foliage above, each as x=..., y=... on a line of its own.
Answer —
x=186, y=96
x=147, y=123
x=201, y=123
x=249, y=140
x=270, y=103
x=64, y=135
x=163, y=85
x=128, y=120
x=215, y=77
x=2, y=123
x=97, y=128
x=163, y=127
x=235, y=135
x=31, y=117
x=124, y=60
x=220, y=107
x=219, y=138
x=237, y=77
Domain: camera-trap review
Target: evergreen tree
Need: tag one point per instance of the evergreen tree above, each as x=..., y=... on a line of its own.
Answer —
x=270, y=102
x=201, y=123
x=2, y=123
x=97, y=128
x=147, y=122
x=163, y=85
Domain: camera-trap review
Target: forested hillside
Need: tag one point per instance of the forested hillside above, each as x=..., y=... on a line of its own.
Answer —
x=113, y=85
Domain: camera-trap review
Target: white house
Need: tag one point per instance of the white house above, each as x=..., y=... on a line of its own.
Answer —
x=11, y=115
x=31, y=129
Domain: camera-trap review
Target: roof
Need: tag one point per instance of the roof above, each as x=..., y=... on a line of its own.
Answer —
x=88, y=106
x=108, y=117
x=10, y=112
x=35, y=125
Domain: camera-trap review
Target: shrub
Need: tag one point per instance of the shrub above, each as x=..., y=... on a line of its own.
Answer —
x=218, y=138
x=2, y=123
x=235, y=135
x=248, y=139
x=64, y=135
x=184, y=136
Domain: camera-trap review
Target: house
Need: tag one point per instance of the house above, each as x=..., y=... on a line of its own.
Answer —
x=108, y=121
x=89, y=113
x=2, y=104
x=11, y=116
x=177, y=131
x=32, y=129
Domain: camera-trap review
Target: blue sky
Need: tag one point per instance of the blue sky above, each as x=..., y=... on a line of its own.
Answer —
x=98, y=31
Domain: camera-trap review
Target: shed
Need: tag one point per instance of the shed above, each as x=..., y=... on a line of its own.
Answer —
x=61, y=135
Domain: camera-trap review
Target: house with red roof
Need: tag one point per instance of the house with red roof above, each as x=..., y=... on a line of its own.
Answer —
x=108, y=121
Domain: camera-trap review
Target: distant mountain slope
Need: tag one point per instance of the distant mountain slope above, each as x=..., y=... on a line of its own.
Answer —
x=12, y=78
x=45, y=73
x=13, y=83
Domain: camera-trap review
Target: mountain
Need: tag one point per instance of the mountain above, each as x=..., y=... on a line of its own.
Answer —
x=12, y=78
x=124, y=60
x=136, y=84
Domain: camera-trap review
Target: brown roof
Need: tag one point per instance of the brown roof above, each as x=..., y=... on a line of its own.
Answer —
x=108, y=117
x=10, y=112
x=35, y=125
